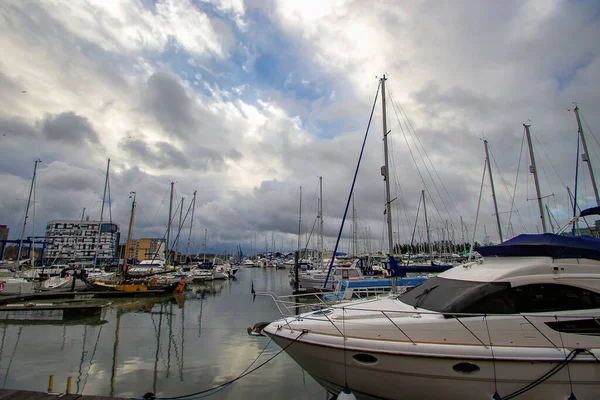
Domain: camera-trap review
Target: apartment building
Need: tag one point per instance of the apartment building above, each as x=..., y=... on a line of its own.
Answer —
x=79, y=241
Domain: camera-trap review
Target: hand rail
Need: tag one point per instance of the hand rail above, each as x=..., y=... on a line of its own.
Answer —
x=289, y=305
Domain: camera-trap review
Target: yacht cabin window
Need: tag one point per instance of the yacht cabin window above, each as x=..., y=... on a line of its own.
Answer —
x=456, y=296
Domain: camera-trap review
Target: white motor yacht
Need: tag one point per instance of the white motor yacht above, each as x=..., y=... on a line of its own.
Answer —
x=523, y=321
x=316, y=278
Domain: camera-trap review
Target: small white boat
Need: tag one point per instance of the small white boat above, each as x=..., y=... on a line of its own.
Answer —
x=10, y=284
x=316, y=278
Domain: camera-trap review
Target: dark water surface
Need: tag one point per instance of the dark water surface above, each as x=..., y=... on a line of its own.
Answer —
x=154, y=345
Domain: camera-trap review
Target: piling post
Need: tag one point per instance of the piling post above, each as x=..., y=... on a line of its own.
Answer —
x=69, y=380
x=50, y=383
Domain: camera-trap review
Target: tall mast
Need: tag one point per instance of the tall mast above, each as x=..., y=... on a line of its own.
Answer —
x=533, y=170
x=385, y=171
x=426, y=224
x=489, y=165
x=354, y=251
x=32, y=244
x=79, y=233
x=127, y=243
x=178, y=239
x=320, y=244
x=101, y=213
x=300, y=223
x=462, y=232
x=585, y=156
x=187, y=248
x=167, y=252
x=204, y=258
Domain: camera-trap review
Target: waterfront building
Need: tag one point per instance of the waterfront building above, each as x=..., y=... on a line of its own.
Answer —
x=147, y=249
x=77, y=241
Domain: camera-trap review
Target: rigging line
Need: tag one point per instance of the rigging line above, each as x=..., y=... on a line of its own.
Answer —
x=162, y=203
x=337, y=242
x=432, y=165
x=544, y=169
x=398, y=189
x=512, y=204
x=312, y=203
x=504, y=182
x=109, y=200
x=413, y=135
x=589, y=129
x=410, y=149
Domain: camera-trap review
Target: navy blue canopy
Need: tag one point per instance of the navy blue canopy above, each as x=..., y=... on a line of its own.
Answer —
x=590, y=211
x=546, y=245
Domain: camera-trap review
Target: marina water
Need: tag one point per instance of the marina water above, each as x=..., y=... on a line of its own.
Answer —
x=163, y=346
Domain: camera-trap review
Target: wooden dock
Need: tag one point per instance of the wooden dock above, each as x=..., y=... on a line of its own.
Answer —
x=7, y=394
x=47, y=313
x=79, y=295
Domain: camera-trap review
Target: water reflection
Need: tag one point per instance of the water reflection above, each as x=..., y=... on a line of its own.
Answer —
x=169, y=345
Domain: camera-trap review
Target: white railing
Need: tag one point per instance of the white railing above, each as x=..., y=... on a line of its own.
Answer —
x=291, y=306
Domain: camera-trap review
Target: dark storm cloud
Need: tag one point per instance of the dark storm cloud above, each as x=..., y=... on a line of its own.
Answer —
x=167, y=100
x=70, y=128
x=156, y=155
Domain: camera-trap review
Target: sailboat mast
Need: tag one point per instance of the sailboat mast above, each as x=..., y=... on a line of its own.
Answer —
x=300, y=223
x=204, y=257
x=354, y=251
x=101, y=213
x=187, y=248
x=426, y=224
x=385, y=171
x=320, y=221
x=32, y=243
x=178, y=239
x=128, y=242
x=167, y=252
x=585, y=156
x=533, y=170
x=489, y=165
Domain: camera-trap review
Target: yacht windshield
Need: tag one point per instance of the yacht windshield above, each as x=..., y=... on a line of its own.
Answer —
x=450, y=295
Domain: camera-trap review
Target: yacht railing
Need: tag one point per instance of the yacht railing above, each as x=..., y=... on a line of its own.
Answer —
x=291, y=306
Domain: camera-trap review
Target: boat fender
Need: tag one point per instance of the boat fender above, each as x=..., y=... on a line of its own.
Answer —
x=346, y=394
x=2, y=285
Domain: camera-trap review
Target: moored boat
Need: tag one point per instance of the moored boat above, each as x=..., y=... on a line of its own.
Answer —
x=504, y=326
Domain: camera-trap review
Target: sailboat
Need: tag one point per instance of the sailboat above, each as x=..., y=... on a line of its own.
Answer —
x=125, y=284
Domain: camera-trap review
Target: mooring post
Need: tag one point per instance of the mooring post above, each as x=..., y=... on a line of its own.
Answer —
x=50, y=383
x=69, y=379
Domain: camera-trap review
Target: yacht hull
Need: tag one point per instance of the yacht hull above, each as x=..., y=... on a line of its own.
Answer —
x=406, y=376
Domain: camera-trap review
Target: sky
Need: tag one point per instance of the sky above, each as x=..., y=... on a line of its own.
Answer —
x=246, y=101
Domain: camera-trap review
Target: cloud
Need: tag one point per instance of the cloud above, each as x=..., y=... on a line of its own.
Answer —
x=246, y=101
x=70, y=128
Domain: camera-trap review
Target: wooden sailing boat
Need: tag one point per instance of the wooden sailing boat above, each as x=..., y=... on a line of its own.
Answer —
x=123, y=284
